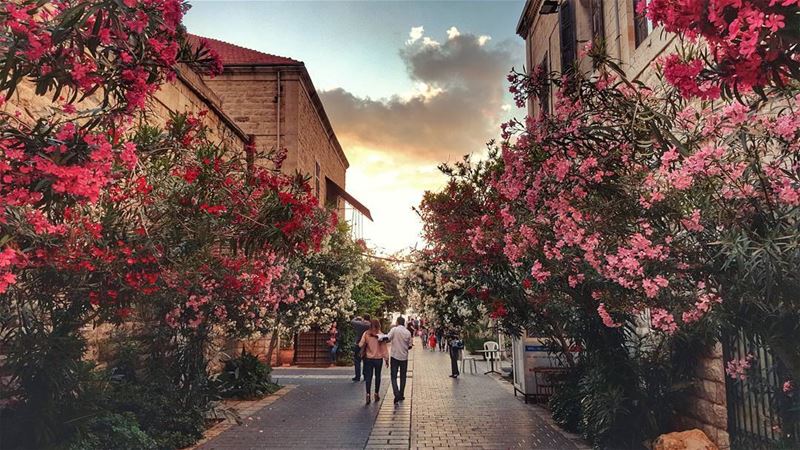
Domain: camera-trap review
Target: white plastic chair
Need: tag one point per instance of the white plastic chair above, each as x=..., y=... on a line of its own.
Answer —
x=470, y=361
x=492, y=353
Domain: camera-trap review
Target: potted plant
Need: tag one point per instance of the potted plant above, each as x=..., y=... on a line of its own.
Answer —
x=286, y=352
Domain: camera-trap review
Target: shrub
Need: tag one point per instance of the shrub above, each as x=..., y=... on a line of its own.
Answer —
x=112, y=431
x=246, y=377
x=565, y=404
x=171, y=421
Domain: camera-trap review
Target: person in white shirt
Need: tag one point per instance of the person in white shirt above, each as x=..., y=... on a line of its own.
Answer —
x=401, y=340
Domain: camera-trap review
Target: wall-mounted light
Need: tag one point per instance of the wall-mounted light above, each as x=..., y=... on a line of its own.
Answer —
x=549, y=7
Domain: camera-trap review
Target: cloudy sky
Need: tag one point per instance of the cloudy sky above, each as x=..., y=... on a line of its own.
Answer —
x=406, y=84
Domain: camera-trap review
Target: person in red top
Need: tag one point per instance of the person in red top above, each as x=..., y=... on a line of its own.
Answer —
x=432, y=342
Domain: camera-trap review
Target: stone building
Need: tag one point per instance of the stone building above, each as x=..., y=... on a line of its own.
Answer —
x=554, y=32
x=259, y=98
x=273, y=99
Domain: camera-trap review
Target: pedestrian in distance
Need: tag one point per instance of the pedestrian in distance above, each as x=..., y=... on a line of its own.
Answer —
x=455, y=345
x=401, y=341
x=440, y=339
x=432, y=342
x=374, y=351
x=424, y=338
x=360, y=326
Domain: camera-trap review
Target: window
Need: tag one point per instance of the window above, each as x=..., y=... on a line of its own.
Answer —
x=566, y=21
x=641, y=24
x=544, y=94
x=317, y=173
x=598, y=25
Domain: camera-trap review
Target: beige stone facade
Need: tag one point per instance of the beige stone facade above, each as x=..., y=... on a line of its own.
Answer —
x=635, y=45
x=611, y=22
x=280, y=107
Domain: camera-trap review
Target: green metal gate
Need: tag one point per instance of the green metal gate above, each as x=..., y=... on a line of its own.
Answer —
x=760, y=414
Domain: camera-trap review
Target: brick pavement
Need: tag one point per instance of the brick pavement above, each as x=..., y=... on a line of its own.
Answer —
x=474, y=411
x=326, y=410
x=393, y=425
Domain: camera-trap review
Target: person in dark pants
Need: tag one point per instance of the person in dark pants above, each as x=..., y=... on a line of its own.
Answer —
x=455, y=345
x=400, y=339
x=375, y=352
x=360, y=326
x=440, y=338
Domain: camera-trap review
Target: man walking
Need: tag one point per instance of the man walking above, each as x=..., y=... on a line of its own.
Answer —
x=400, y=340
x=360, y=326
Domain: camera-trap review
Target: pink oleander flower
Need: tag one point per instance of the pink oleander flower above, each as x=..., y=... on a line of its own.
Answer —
x=737, y=368
x=538, y=273
x=663, y=320
x=606, y=317
x=788, y=386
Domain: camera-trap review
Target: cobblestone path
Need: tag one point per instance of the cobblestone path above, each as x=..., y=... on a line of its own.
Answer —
x=474, y=411
x=326, y=410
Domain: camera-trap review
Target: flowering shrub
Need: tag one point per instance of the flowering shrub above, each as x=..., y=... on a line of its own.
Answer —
x=634, y=203
x=108, y=220
x=745, y=45
x=325, y=284
x=636, y=199
x=439, y=295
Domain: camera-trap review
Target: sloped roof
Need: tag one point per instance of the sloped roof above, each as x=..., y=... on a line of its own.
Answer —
x=234, y=55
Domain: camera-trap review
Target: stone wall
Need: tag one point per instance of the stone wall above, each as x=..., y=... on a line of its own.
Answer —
x=543, y=41
x=251, y=100
x=189, y=94
x=250, y=97
x=706, y=407
x=186, y=94
x=314, y=145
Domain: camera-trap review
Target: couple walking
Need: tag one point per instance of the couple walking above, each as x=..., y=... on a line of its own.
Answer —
x=373, y=352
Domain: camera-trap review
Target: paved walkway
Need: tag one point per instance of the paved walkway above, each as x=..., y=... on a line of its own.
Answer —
x=474, y=411
x=326, y=410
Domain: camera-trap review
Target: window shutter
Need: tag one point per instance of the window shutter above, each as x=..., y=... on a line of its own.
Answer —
x=640, y=25
x=566, y=19
x=598, y=25
x=544, y=94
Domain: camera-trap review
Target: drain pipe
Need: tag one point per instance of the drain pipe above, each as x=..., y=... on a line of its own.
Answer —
x=619, y=31
x=278, y=113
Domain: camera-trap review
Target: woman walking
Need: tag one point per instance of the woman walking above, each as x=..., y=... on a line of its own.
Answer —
x=373, y=350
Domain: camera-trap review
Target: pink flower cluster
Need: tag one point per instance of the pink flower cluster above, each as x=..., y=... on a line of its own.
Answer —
x=744, y=38
x=737, y=368
x=661, y=319
x=606, y=317
x=703, y=304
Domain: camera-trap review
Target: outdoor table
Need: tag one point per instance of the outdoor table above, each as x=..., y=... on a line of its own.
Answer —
x=491, y=360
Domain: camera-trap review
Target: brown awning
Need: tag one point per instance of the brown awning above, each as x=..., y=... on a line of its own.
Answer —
x=336, y=191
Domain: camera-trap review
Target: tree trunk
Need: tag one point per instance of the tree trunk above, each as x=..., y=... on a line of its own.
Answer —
x=273, y=343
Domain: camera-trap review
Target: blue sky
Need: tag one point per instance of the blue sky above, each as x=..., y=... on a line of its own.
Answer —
x=349, y=44
x=407, y=85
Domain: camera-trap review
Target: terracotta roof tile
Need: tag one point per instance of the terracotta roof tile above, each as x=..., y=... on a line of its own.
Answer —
x=232, y=55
